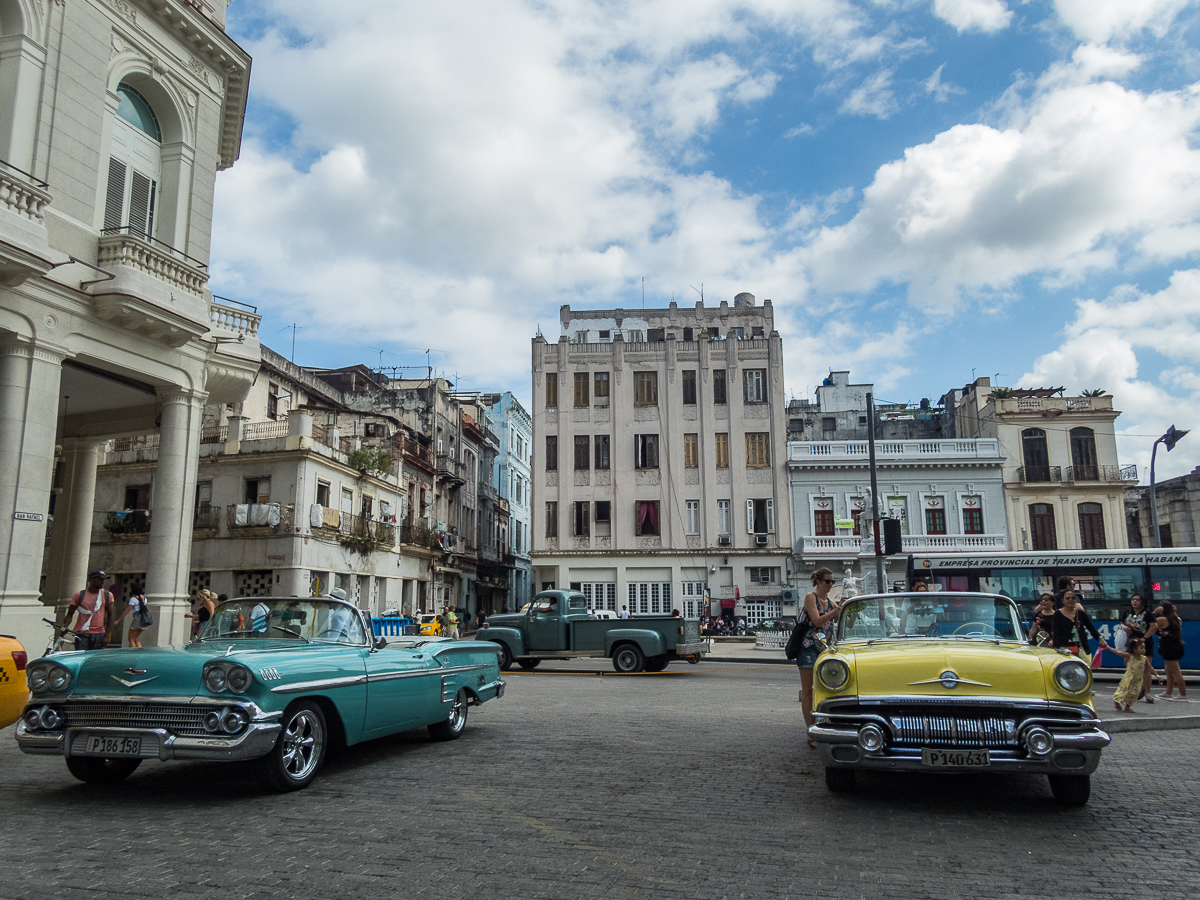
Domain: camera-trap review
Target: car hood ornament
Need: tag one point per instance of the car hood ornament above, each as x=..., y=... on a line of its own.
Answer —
x=949, y=680
x=133, y=683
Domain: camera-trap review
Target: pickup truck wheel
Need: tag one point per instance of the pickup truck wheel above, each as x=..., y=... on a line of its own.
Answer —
x=628, y=658
x=505, y=658
x=100, y=770
x=299, y=751
x=529, y=664
x=839, y=780
x=657, y=663
x=1071, y=790
x=454, y=724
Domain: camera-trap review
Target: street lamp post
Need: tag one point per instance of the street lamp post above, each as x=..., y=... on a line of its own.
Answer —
x=880, y=588
x=1171, y=438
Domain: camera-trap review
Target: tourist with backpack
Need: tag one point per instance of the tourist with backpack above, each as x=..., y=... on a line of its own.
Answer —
x=94, y=606
x=141, y=618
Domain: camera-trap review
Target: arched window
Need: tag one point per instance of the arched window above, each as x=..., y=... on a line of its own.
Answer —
x=1042, y=533
x=134, y=166
x=1083, y=455
x=1091, y=524
x=1037, y=456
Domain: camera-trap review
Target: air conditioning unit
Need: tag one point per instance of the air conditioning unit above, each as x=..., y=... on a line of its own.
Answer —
x=761, y=540
x=724, y=540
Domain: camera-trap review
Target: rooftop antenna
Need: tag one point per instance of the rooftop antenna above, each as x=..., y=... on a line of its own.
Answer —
x=294, y=328
x=643, y=292
x=699, y=290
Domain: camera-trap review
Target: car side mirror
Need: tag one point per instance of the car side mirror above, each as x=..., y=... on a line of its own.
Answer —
x=380, y=642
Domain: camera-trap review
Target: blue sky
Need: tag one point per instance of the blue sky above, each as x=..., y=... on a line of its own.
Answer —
x=923, y=187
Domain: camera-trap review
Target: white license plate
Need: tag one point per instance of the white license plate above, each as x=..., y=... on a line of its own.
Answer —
x=99, y=745
x=966, y=759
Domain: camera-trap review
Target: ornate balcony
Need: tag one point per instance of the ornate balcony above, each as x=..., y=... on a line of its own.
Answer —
x=24, y=245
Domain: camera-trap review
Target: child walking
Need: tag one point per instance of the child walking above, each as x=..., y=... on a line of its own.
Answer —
x=1135, y=672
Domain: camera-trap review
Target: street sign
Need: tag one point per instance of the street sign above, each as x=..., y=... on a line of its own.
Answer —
x=28, y=517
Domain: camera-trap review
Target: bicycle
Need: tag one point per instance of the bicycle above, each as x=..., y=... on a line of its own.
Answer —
x=60, y=635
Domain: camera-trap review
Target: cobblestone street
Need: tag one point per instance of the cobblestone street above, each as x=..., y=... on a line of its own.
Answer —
x=693, y=784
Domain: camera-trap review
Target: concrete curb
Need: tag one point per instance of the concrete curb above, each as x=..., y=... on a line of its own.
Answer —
x=1157, y=723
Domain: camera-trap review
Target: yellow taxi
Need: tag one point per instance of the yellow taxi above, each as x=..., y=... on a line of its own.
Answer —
x=947, y=683
x=430, y=624
x=13, y=691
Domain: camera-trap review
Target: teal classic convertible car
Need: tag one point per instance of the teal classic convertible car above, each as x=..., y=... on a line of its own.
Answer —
x=270, y=679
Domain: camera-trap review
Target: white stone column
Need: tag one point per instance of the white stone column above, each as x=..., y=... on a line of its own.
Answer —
x=294, y=582
x=29, y=387
x=172, y=507
x=71, y=539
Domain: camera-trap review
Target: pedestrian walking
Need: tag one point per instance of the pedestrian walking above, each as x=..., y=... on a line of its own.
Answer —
x=1138, y=622
x=140, y=619
x=1170, y=645
x=1135, y=671
x=1070, y=627
x=94, y=605
x=818, y=611
x=451, y=623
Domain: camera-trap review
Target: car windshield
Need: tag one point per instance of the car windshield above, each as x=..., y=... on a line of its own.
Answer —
x=288, y=619
x=929, y=615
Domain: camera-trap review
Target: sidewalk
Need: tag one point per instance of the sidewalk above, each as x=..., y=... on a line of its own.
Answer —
x=1162, y=715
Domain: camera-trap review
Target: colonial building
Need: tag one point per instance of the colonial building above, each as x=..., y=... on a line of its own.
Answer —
x=114, y=119
x=948, y=495
x=659, y=453
x=1064, y=486
x=1178, y=502
x=514, y=482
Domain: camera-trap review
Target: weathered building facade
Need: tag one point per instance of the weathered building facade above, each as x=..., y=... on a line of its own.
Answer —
x=658, y=465
x=114, y=119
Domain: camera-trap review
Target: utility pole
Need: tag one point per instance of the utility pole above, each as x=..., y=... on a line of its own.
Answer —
x=875, y=520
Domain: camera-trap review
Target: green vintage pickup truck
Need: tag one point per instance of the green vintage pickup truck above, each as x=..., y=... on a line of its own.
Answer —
x=556, y=625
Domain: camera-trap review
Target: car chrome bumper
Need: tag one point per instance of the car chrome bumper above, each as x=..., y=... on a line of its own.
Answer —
x=493, y=690
x=1076, y=753
x=158, y=743
x=698, y=648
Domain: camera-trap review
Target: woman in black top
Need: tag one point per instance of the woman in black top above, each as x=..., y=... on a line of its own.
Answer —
x=1069, y=624
x=1170, y=645
x=1139, y=622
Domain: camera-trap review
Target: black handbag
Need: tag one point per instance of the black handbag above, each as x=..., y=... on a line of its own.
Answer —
x=792, y=650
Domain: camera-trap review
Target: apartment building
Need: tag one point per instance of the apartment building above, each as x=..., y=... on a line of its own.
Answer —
x=947, y=494
x=114, y=120
x=513, y=479
x=1063, y=483
x=659, y=458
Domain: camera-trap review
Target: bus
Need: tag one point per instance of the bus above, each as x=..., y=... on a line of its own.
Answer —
x=1105, y=579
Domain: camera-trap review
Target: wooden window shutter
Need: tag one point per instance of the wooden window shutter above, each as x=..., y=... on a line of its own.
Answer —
x=114, y=198
x=750, y=517
x=141, y=201
x=770, y=517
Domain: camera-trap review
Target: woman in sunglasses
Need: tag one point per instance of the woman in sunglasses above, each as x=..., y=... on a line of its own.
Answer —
x=817, y=613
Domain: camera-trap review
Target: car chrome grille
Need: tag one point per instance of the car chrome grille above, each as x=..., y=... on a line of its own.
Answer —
x=178, y=718
x=953, y=731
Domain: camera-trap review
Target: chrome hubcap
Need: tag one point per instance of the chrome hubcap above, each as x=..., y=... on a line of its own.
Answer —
x=302, y=741
x=458, y=713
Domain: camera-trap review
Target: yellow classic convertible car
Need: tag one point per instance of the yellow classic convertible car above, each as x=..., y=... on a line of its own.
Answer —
x=946, y=682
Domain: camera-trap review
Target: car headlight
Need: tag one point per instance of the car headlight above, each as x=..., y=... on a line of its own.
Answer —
x=833, y=674
x=35, y=676
x=58, y=678
x=238, y=678
x=214, y=678
x=1073, y=676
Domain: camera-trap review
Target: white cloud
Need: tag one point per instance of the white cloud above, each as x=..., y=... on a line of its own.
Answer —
x=941, y=90
x=1100, y=21
x=802, y=128
x=1083, y=174
x=1101, y=349
x=873, y=97
x=495, y=159
x=974, y=15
